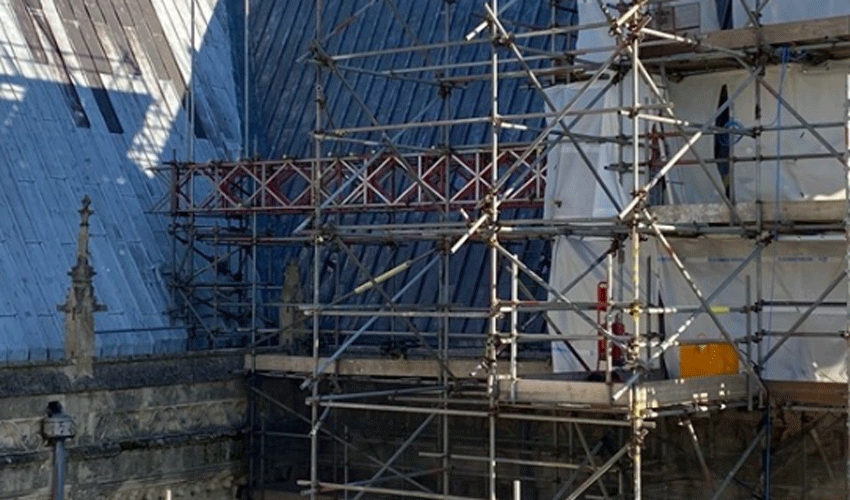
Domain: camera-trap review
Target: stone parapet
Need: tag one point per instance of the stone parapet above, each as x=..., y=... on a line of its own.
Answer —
x=144, y=427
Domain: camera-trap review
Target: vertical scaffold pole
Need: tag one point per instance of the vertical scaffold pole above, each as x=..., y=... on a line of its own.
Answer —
x=246, y=70
x=445, y=274
x=759, y=284
x=847, y=264
x=494, y=254
x=316, y=178
x=190, y=90
x=609, y=319
x=635, y=347
x=514, y=329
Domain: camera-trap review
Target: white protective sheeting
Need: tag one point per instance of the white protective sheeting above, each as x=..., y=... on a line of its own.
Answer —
x=813, y=94
x=793, y=271
x=595, y=39
x=783, y=11
x=570, y=258
x=563, y=200
x=572, y=192
x=690, y=12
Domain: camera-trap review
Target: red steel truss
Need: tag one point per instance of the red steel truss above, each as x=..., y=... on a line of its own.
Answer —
x=420, y=182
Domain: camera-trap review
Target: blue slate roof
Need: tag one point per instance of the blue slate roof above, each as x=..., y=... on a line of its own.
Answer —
x=284, y=77
x=93, y=95
x=283, y=117
x=90, y=100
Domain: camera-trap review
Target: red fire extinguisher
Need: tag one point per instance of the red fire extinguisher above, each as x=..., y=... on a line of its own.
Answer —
x=601, y=307
x=617, y=328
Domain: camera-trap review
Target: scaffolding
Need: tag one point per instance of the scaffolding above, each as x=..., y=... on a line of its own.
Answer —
x=498, y=418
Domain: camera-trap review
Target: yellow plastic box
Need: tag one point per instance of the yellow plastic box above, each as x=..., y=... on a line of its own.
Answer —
x=706, y=358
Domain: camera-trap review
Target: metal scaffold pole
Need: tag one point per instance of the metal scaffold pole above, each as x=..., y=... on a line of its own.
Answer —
x=445, y=270
x=493, y=208
x=636, y=399
x=316, y=198
x=847, y=269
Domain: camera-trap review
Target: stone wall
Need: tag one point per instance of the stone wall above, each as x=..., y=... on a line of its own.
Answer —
x=144, y=427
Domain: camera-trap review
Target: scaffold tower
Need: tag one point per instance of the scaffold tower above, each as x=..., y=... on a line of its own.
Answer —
x=402, y=283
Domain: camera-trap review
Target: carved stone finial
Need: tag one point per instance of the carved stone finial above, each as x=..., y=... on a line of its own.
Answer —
x=81, y=304
x=83, y=239
x=290, y=318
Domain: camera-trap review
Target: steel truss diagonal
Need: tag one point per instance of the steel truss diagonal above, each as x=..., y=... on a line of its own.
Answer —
x=396, y=292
